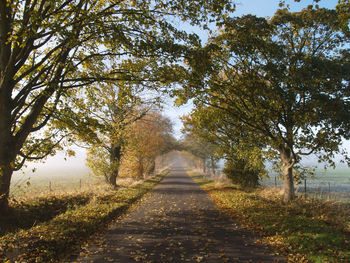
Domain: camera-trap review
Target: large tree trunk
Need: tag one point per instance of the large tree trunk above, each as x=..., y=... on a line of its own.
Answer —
x=115, y=158
x=7, y=146
x=6, y=154
x=112, y=180
x=287, y=167
x=5, y=180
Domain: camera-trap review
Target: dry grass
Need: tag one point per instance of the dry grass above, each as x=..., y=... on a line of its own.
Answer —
x=45, y=226
x=305, y=230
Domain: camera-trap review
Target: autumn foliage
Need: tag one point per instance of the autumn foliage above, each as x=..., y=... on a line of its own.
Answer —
x=146, y=139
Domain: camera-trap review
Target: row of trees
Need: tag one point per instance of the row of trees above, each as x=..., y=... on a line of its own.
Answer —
x=142, y=142
x=202, y=154
x=53, y=51
x=75, y=71
x=273, y=89
x=149, y=138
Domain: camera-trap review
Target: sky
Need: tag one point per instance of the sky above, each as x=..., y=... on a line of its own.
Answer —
x=266, y=8
x=76, y=165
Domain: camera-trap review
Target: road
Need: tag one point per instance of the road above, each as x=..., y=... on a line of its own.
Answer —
x=177, y=222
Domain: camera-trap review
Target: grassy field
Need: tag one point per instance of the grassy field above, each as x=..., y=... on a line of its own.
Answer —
x=307, y=230
x=331, y=184
x=46, y=226
x=39, y=183
x=341, y=174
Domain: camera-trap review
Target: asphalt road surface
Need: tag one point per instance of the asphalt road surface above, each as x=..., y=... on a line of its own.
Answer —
x=177, y=222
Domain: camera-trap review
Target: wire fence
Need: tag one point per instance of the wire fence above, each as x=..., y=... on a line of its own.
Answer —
x=327, y=184
x=316, y=188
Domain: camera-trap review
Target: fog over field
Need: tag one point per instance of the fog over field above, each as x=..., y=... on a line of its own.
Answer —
x=55, y=166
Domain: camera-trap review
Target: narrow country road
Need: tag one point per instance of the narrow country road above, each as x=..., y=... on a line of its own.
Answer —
x=177, y=222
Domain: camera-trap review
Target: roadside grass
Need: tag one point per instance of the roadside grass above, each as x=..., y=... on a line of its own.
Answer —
x=51, y=228
x=305, y=230
x=26, y=214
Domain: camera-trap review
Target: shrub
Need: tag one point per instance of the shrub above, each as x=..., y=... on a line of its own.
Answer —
x=239, y=172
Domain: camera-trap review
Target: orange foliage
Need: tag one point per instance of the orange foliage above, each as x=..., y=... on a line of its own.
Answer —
x=146, y=139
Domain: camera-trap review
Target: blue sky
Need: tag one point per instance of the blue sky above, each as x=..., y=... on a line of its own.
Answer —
x=265, y=8
x=268, y=7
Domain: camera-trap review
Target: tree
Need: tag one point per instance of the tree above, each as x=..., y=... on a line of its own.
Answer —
x=199, y=147
x=147, y=138
x=50, y=47
x=273, y=80
x=343, y=9
x=243, y=154
x=99, y=119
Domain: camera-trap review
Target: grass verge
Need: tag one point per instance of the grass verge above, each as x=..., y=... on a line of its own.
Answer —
x=69, y=225
x=305, y=230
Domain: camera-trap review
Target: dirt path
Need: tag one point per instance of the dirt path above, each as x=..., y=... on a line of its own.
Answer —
x=178, y=222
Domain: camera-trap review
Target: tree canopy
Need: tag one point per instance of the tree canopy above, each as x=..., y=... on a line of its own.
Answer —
x=50, y=48
x=99, y=119
x=278, y=82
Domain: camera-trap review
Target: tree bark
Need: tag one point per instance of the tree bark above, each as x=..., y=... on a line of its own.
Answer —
x=204, y=162
x=112, y=180
x=141, y=168
x=212, y=165
x=7, y=146
x=287, y=167
x=115, y=157
x=6, y=154
x=5, y=180
x=152, y=167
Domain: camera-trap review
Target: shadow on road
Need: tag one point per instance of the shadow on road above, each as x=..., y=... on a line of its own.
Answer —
x=178, y=222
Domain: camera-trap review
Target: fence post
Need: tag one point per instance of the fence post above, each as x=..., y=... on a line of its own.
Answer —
x=50, y=188
x=80, y=184
x=275, y=181
x=329, y=190
x=305, y=188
